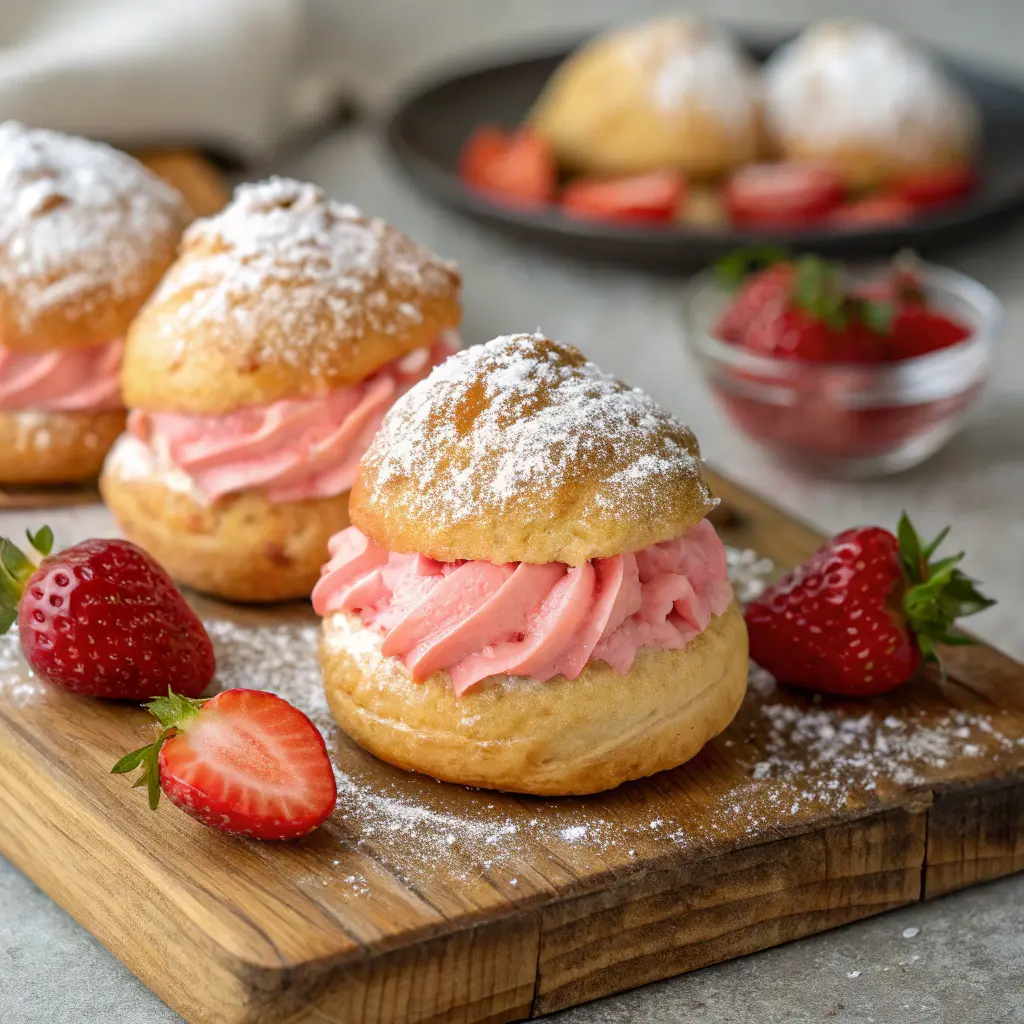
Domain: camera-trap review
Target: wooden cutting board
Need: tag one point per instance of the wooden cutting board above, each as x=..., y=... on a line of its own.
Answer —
x=425, y=902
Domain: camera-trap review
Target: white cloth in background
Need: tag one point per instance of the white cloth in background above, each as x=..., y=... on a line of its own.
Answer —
x=234, y=75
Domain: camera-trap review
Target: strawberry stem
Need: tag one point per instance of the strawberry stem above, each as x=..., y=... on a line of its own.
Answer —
x=15, y=569
x=172, y=712
x=937, y=593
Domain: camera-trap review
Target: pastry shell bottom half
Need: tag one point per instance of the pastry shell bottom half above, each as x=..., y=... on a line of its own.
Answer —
x=560, y=737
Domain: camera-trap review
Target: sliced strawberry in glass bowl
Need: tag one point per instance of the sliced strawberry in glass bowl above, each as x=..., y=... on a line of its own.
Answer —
x=845, y=375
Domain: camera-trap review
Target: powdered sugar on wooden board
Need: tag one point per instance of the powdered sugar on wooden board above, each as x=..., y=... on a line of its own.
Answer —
x=798, y=756
x=284, y=255
x=77, y=218
x=806, y=756
x=538, y=424
x=861, y=84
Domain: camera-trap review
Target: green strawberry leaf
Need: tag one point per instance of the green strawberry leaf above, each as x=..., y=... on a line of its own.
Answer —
x=15, y=570
x=147, y=758
x=910, y=548
x=171, y=712
x=818, y=290
x=877, y=315
x=933, y=546
x=130, y=762
x=41, y=540
x=174, y=710
x=731, y=270
x=937, y=593
x=14, y=561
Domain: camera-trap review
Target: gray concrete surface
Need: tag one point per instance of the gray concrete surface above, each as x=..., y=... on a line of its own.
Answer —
x=966, y=962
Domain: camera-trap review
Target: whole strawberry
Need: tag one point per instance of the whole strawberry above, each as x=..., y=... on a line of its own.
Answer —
x=245, y=762
x=102, y=619
x=862, y=614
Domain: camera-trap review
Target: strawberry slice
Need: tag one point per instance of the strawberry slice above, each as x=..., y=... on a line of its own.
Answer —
x=782, y=195
x=518, y=169
x=244, y=762
x=483, y=147
x=642, y=198
x=873, y=211
x=937, y=187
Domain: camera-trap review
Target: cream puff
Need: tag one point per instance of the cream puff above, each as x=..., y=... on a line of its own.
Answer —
x=256, y=376
x=86, y=232
x=859, y=99
x=530, y=597
x=674, y=93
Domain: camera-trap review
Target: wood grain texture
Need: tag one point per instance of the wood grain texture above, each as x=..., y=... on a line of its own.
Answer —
x=204, y=189
x=691, y=915
x=424, y=902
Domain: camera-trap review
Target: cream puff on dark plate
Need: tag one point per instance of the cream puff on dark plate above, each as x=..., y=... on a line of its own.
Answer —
x=868, y=104
x=673, y=93
x=530, y=597
x=257, y=375
x=86, y=232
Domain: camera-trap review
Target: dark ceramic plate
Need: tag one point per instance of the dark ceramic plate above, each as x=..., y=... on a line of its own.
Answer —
x=429, y=127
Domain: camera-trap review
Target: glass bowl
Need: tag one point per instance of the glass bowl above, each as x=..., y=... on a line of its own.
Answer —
x=844, y=420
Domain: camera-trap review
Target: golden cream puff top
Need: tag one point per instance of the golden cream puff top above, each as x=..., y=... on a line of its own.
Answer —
x=675, y=92
x=284, y=294
x=853, y=83
x=85, y=234
x=521, y=450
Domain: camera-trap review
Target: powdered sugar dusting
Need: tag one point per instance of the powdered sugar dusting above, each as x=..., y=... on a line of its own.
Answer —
x=694, y=64
x=797, y=756
x=18, y=684
x=78, y=221
x=294, y=273
x=836, y=747
x=862, y=84
x=504, y=423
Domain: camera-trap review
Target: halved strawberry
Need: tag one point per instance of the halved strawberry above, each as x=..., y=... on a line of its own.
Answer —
x=244, y=762
x=937, y=187
x=873, y=211
x=517, y=168
x=641, y=198
x=782, y=195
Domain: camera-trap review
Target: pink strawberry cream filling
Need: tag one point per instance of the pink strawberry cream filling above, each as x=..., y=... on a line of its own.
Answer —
x=293, y=449
x=62, y=380
x=475, y=619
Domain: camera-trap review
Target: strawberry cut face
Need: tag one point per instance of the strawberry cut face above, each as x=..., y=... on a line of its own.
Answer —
x=250, y=764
